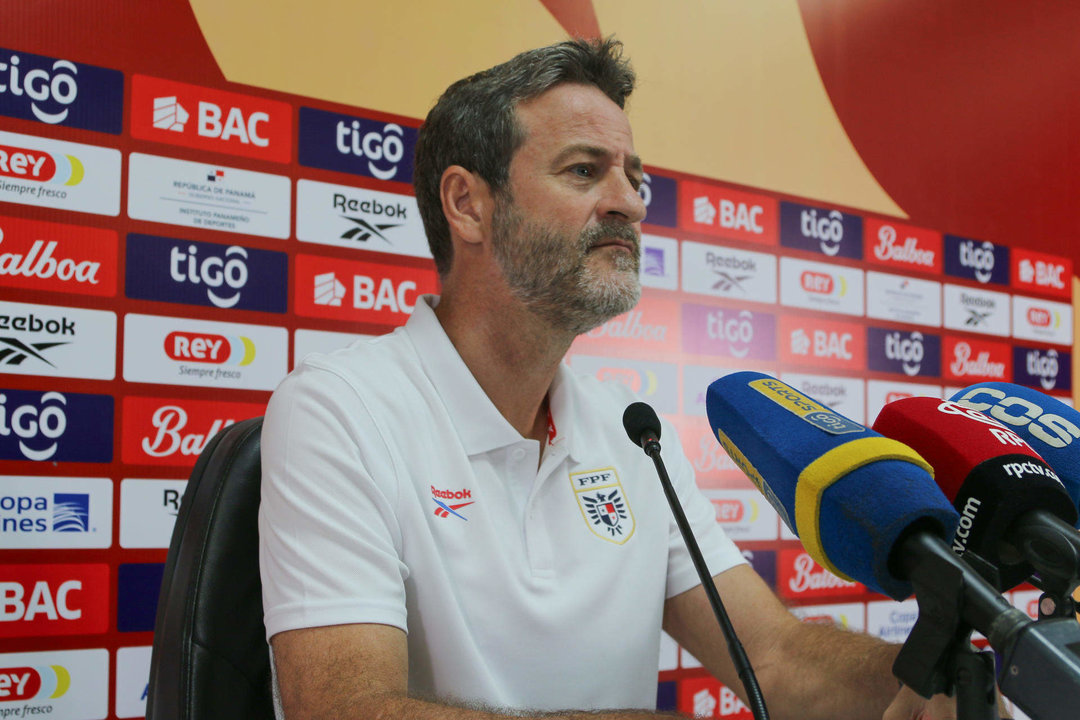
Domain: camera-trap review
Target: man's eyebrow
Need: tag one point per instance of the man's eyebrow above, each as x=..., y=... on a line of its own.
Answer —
x=633, y=161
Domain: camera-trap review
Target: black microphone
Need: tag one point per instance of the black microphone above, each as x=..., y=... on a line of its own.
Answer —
x=643, y=428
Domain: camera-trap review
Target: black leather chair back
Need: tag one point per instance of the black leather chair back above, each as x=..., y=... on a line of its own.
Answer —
x=210, y=658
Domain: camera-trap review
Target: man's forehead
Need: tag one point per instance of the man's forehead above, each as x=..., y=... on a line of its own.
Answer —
x=578, y=117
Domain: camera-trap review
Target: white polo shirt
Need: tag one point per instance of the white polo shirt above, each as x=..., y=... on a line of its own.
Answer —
x=394, y=492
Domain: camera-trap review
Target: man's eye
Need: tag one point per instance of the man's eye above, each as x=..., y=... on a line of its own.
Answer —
x=584, y=171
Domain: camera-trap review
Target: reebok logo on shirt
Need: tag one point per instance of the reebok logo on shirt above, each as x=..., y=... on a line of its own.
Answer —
x=445, y=509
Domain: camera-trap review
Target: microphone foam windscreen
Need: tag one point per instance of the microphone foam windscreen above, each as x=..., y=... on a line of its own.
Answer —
x=846, y=491
x=1050, y=426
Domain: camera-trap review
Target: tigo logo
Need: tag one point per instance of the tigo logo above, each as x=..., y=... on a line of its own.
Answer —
x=974, y=260
x=223, y=121
x=196, y=273
x=912, y=354
x=58, y=258
x=169, y=114
x=820, y=230
x=356, y=145
x=1048, y=369
x=60, y=92
x=65, y=427
x=737, y=333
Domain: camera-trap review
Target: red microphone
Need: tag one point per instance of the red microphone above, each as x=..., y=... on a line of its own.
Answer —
x=1014, y=511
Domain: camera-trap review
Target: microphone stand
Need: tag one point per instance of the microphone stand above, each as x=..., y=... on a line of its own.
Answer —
x=755, y=700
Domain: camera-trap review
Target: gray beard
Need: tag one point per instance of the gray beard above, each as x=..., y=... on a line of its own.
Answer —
x=553, y=278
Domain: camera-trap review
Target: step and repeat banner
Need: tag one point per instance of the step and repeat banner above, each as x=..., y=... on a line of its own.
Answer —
x=169, y=250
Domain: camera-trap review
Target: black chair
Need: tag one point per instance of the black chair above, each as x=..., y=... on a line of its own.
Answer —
x=210, y=658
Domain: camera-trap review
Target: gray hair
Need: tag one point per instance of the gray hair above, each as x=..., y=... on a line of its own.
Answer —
x=474, y=125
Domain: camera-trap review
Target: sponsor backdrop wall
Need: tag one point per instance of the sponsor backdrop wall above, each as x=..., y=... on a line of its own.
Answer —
x=193, y=198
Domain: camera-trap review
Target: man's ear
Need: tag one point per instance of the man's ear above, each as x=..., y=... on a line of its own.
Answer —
x=467, y=203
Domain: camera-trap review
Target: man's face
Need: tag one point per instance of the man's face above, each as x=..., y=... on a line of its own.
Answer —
x=568, y=237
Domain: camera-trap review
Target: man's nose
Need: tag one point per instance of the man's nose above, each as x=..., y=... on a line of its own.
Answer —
x=621, y=199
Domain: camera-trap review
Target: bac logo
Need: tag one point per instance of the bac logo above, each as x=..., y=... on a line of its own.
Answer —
x=59, y=92
x=724, y=212
x=198, y=273
x=57, y=258
x=65, y=427
x=976, y=260
x=969, y=361
x=206, y=119
x=173, y=431
x=356, y=145
x=658, y=192
x=359, y=291
x=906, y=246
x=1041, y=273
x=829, y=232
x=821, y=343
x=1046, y=369
x=53, y=599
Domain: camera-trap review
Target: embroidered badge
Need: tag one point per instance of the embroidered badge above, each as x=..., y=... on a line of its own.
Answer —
x=603, y=503
x=445, y=509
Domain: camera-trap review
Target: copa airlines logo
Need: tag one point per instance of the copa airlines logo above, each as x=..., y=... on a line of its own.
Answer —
x=974, y=361
x=55, y=512
x=60, y=92
x=356, y=145
x=914, y=354
x=896, y=244
x=197, y=273
x=739, y=334
x=59, y=258
x=821, y=230
x=1048, y=369
x=822, y=343
x=659, y=194
x=726, y=212
x=360, y=291
x=65, y=427
x=975, y=260
x=207, y=119
x=1041, y=273
x=165, y=431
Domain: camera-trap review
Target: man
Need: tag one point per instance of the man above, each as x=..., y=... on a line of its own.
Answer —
x=453, y=524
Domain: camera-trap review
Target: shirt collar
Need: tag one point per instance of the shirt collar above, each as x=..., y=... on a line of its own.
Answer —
x=477, y=421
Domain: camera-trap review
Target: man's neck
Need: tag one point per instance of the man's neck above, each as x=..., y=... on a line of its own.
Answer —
x=512, y=353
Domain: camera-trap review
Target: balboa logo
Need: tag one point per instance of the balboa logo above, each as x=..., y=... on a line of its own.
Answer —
x=727, y=212
x=981, y=261
x=737, y=333
x=198, y=273
x=658, y=192
x=913, y=354
x=162, y=110
x=60, y=258
x=829, y=232
x=356, y=145
x=35, y=87
x=34, y=683
x=890, y=243
x=654, y=322
x=1047, y=369
x=977, y=361
x=800, y=576
x=160, y=431
x=209, y=348
x=55, y=426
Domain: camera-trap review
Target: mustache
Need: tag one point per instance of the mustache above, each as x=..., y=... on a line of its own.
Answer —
x=610, y=229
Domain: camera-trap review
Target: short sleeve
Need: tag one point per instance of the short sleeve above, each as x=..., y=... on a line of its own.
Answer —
x=717, y=548
x=329, y=542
